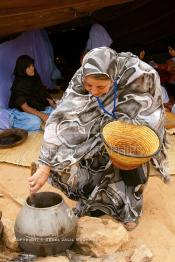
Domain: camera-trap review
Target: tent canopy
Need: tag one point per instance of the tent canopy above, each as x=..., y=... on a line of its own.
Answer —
x=131, y=23
x=18, y=15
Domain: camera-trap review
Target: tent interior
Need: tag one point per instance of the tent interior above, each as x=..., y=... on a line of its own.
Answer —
x=133, y=25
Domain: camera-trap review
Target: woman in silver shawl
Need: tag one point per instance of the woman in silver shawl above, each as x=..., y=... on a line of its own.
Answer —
x=108, y=85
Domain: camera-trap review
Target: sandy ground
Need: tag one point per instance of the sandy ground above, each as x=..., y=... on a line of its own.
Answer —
x=157, y=225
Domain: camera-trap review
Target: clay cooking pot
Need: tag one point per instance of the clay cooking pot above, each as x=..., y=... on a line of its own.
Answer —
x=46, y=226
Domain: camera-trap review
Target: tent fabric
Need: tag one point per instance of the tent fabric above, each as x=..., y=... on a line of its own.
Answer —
x=35, y=44
x=4, y=119
x=55, y=73
x=98, y=36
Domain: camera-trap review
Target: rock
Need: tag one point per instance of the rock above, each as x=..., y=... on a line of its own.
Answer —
x=52, y=259
x=74, y=257
x=9, y=235
x=142, y=254
x=117, y=257
x=98, y=237
x=81, y=258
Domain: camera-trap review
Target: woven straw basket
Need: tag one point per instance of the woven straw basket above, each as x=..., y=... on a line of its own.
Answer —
x=128, y=145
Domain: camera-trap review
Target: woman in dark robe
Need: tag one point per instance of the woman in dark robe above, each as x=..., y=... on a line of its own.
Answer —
x=72, y=156
x=30, y=101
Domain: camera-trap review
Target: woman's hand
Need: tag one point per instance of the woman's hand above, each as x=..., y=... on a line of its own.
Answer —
x=43, y=116
x=39, y=178
x=26, y=108
x=52, y=102
x=168, y=106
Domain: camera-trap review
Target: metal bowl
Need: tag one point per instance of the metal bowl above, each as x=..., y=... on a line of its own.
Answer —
x=12, y=137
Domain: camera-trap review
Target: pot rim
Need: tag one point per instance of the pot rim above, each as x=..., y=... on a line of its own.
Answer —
x=44, y=208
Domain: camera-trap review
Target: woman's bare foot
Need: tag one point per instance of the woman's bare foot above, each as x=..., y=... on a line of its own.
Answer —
x=39, y=178
x=130, y=225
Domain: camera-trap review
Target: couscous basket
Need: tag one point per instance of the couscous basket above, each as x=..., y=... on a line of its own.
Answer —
x=130, y=145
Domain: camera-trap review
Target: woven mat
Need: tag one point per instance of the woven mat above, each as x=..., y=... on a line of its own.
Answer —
x=24, y=154
x=27, y=152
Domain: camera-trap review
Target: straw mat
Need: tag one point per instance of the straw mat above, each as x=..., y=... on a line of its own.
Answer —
x=28, y=151
x=25, y=153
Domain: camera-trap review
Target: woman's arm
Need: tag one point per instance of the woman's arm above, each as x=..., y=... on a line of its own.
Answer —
x=26, y=108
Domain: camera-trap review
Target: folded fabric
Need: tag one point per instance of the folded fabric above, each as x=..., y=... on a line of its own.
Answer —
x=4, y=119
